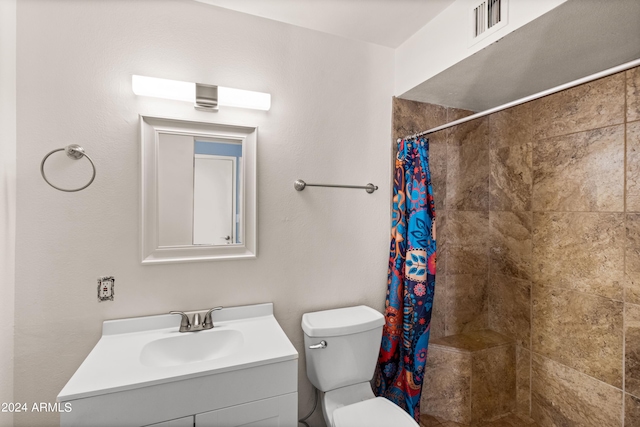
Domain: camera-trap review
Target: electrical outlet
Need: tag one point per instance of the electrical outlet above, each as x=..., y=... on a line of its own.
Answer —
x=106, y=286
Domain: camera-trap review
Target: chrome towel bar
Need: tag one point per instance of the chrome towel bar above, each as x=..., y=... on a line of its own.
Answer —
x=300, y=185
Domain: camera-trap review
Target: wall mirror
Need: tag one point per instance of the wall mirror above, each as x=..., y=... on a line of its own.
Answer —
x=198, y=191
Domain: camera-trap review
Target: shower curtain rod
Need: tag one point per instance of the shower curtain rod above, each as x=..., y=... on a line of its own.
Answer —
x=596, y=76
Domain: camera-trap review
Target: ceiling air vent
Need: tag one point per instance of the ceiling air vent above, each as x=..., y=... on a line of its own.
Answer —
x=486, y=18
x=479, y=13
x=493, y=12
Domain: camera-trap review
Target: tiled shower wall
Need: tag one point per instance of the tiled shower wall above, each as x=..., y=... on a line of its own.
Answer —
x=538, y=226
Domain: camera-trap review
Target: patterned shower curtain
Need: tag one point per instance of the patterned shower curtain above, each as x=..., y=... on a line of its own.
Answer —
x=412, y=274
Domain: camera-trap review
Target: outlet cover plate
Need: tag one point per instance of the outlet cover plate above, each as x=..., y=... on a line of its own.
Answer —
x=106, y=286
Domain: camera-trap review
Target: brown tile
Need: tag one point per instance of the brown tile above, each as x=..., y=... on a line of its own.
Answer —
x=493, y=385
x=438, y=138
x=472, y=341
x=447, y=385
x=438, y=170
x=562, y=396
x=510, y=250
x=468, y=166
x=438, y=311
x=468, y=227
x=510, y=308
x=440, y=419
x=632, y=265
x=510, y=420
x=457, y=113
x=579, y=250
x=467, y=242
x=467, y=259
x=429, y=421
x=633, y=167
x=632, y=349
x=439, y=299
x=466, y=305
x=511, y=126
x=589, y=106
x=526, y=420
x=441, y=240
x=579, y=330
x=523, y=381
x=511, y=179
x=633, y=95
x=631, y=411
x=511, y=159
x=411, y=117
x=580, y=172
x=632, y=286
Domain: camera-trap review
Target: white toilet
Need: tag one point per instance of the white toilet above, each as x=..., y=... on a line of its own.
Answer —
x=341, y=348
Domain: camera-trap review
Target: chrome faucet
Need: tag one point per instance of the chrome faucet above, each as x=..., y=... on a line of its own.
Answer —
x=197, y=324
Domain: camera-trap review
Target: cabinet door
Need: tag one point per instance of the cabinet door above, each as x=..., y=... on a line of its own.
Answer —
x=180, y=422
x=281, y=411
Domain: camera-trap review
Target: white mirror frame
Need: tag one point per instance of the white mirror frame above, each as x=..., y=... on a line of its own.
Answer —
x=152, y=252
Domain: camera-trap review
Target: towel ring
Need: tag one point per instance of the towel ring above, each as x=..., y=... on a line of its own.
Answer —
x=75, y=152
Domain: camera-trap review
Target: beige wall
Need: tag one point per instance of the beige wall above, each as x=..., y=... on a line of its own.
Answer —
x=538, y=240
x=329, y=122
x=7, y=199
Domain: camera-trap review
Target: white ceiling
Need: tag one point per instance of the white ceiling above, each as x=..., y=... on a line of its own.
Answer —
x=574, y=40
x=578, y=38
x=383, y=22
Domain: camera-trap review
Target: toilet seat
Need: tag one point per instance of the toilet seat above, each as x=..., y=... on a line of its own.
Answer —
x=376, y=412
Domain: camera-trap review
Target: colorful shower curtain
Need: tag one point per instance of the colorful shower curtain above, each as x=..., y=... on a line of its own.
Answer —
x=412, y=274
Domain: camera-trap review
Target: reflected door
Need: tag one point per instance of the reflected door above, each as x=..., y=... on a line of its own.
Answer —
x=214, y=200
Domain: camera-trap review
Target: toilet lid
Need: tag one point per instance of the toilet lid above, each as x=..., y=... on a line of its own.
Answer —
x=377, y=412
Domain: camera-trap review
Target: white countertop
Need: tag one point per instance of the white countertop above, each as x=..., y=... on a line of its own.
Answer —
x=114, y=363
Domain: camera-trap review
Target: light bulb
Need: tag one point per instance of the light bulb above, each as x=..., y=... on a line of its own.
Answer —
x=185, y=91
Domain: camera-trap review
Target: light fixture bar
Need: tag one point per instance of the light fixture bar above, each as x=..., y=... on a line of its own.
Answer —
x=230, y=97
x=205, y=97
x=163, y=88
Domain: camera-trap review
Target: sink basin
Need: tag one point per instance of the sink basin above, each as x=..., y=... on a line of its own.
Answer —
x=140, y=352
x=191, y=347
x=150, y=373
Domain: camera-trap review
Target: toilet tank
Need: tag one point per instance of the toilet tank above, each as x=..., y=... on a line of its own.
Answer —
x=353, y=336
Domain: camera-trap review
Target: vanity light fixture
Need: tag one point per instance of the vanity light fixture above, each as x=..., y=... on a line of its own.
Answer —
x=205, y=97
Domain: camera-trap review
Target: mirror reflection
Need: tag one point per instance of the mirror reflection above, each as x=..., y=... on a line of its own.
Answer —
x=216, y=184
x=199, y=190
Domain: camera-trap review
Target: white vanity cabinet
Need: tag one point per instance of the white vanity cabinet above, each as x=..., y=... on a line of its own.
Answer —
x=249, y=377
x=181, y=422
x=278, y=411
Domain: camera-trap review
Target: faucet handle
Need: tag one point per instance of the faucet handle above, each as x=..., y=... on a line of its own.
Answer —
x=185, y=325
x=197, y=320
x=208, y=322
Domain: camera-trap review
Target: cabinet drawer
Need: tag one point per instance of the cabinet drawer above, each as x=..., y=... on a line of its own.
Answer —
x=281, y=411
x=180, y=422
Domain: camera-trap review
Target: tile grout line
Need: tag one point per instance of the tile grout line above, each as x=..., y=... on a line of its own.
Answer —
x=531, y=274
x=580, y=292
x=581, y=131
x=448, y=238
x=490, y=242
x=578, y=371
x=624, y=259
